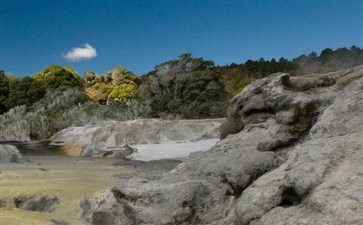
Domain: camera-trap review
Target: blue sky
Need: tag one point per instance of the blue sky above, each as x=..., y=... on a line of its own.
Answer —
x=141, y=34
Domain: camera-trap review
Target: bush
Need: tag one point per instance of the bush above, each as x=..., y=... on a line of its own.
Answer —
x=124, y=92
x=15, y=124
x=62, y=108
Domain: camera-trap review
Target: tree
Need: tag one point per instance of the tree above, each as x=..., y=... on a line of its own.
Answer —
x=181, y=86
x=326, y=55
x=4, y=91
x=55, y=76
x=24, y=91
x=62, y=78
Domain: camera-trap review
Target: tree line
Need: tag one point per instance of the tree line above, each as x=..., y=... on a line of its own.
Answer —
x=236, y=76
x=185, y=87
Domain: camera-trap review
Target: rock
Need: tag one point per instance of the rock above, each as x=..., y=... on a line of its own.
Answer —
x=39, y=203
x=9, y=153
x=303, y=84
x=233, y=125
x=110, y=138
x=59, y=222
x=291, y=153
x=318, y=182
x=116, y=133
x=105, y=210
x=350, y=76
x=117, y=152
x=3, y=202
x=85, y=205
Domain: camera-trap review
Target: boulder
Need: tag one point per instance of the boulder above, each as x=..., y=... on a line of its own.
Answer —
x=291, y=153
x=9, y=153
x=41, y=203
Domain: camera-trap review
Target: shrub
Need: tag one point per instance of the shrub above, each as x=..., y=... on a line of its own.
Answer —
x=124, y=92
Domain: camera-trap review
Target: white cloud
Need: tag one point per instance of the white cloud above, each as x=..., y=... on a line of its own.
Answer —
x=78, y=54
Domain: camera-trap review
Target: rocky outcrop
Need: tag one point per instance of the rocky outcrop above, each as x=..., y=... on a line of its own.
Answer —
x=39, y=203
x=292, y=153
x=110, y=138
x=9, y=153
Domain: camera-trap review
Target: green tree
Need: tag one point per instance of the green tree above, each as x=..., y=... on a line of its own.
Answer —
x=4, y=91
x=24, y=91
x=326, y=55
x=55, y=76
x=181, y=86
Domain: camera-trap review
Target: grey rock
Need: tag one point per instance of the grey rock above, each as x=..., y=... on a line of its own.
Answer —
x=85, y=205
x=59, y=222
x=103, y=217
x=321, y=181
x=105, y=210
x=291, y=153
x=303, y=84
x=118, y=152
x=41, y=203
x=9, y=153
x=117, y=134
x=3, y=202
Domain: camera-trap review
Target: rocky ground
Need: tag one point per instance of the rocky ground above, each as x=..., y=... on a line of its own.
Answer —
x=292, y=153
x=43, y=185
x=48, y=189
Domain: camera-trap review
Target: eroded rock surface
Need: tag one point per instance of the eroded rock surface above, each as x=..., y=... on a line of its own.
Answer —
x=9, y=153
x=3, y=202
x=149, y=135
x=41, y=203
x=292, y=153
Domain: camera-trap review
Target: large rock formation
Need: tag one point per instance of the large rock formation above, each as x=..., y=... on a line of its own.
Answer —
x=152, y=138
x=292, y=153
x=9, y=153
